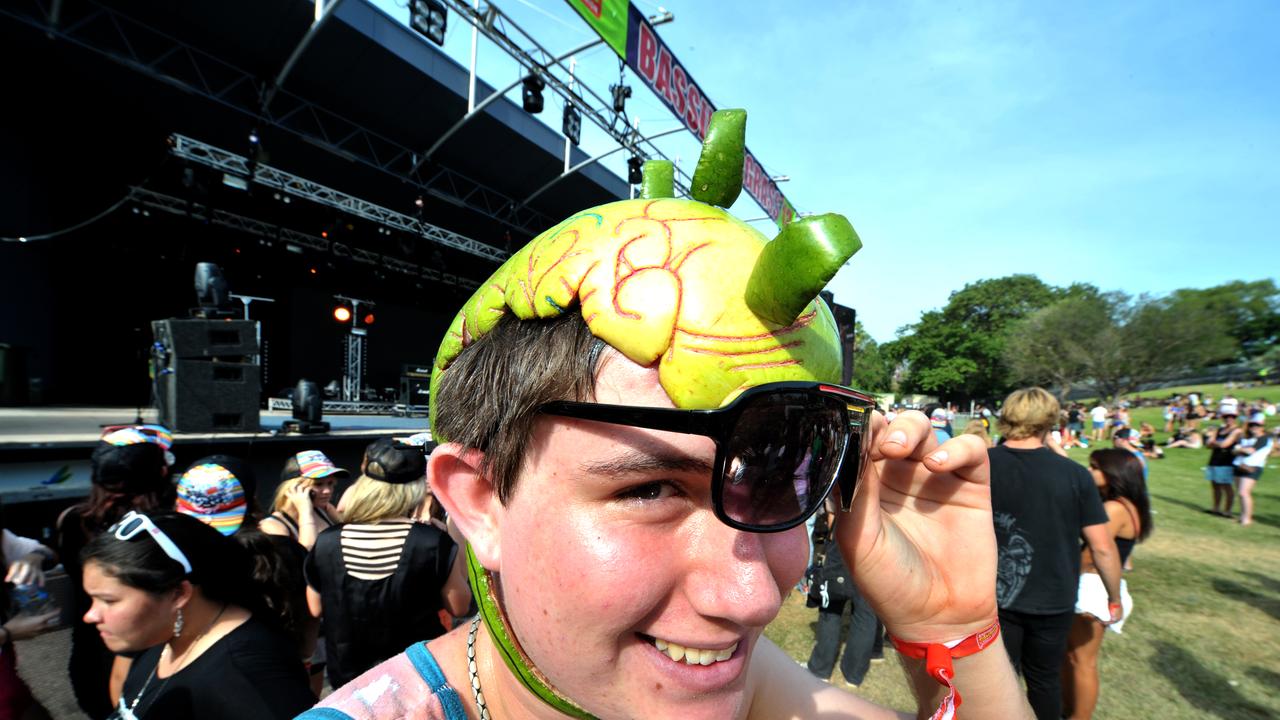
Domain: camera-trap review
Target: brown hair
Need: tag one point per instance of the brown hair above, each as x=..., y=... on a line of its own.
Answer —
x=488, y=397
x=1028, y=413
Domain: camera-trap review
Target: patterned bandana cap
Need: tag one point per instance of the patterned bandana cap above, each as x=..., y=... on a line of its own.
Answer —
x=157, y=434
x=212, y=494
x=315, y=464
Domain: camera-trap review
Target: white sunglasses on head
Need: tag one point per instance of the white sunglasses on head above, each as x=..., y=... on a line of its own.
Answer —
x=135, y=522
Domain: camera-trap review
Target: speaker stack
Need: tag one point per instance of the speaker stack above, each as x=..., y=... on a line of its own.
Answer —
x=207, y=375
x=415, y=386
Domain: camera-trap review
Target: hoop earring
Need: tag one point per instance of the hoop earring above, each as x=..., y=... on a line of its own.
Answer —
x=178, y=624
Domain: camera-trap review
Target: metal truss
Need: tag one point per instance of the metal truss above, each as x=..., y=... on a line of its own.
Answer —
x=175, y=63
x=249, y=226
x=240, y=166
x=497, y=26
x=339, y=407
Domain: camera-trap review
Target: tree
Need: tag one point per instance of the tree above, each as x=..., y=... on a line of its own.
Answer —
x=1056, y=346
x=959, y=351
x=1115, y=341
x=872, y=369
x=1248, y=311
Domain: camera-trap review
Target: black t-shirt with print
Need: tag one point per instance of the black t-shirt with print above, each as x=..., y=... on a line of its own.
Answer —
x=1041, y=502
x=252, y=672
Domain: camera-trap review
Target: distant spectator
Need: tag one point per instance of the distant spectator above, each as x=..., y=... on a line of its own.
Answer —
x=835, y=590
x=1192, y=439
x=1251, y=457
x=937, y=415
x=1220, y=471
x=977, y=428
x=1099, y=417
x=1130, y=441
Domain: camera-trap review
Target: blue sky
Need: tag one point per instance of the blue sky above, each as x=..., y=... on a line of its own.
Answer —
x=1131, y=145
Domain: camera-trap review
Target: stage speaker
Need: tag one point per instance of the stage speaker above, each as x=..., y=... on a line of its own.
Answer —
x=415, y=390
x=195, y=338
x=209, y=396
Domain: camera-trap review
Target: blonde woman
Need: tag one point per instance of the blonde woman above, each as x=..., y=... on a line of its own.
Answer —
x=380, y=579
x=302, y=504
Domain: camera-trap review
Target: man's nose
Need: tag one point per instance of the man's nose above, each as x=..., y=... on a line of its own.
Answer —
x=735, y=575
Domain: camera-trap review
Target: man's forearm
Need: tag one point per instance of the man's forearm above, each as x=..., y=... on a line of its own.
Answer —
x=1107, y=560
x=986, y=682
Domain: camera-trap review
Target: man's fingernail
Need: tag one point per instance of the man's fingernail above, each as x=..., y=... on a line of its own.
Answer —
x=897, y=437
x=940, y=456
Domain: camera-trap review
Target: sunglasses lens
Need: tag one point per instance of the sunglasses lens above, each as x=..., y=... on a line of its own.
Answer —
x=781, y=458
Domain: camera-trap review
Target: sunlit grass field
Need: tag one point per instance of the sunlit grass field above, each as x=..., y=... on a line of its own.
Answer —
x=1204, y=637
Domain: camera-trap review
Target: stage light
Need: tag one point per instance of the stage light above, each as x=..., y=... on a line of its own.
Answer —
x=635, y=172
x=212, y=295
x=368, y=319
x=313, y=271
x=532, y=94
x=620, y=95
x=572, y=125
x=342, y=313
x=308, y=408
x=253, y=137
x=431, y=18
x=418, y=202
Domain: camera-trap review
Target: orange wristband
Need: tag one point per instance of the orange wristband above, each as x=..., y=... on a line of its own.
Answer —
x=938, y=657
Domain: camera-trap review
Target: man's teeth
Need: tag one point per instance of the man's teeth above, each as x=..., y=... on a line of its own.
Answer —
x=693, y=656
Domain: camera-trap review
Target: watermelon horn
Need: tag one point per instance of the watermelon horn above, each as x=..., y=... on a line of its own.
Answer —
x=659, y=180
x=717, y=179
x=797, y=264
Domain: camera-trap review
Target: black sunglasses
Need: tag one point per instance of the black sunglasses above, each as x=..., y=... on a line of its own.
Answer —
x=780, y=447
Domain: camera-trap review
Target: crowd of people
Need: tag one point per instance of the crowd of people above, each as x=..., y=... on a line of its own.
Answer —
x=192, y=603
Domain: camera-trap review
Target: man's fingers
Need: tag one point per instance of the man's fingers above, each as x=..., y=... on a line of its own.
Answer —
x=909, y=435
x=963, y=455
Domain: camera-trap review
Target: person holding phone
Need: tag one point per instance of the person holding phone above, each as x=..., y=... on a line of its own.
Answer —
x=302, y=506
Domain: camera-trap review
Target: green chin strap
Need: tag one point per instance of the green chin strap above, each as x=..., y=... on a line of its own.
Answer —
x=519, y=663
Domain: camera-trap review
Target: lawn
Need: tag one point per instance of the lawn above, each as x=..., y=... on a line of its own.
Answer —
x=1204, y=638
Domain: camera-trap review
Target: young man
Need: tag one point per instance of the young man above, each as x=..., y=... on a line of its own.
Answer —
x=632, y=435
x=1099, y=417
x=1044, y=505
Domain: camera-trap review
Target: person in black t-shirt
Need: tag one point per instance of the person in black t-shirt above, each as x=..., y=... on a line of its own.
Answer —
x=380, y=579
x=1043, y=504
x=177, y=592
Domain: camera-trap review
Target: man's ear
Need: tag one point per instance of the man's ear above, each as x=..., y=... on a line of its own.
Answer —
x=470, y=498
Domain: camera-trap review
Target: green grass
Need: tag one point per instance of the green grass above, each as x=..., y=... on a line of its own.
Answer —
x=1213, y=390
x=1204, y=638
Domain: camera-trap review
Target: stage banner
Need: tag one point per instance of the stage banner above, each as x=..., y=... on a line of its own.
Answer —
x=608, y=18
x=645, y=53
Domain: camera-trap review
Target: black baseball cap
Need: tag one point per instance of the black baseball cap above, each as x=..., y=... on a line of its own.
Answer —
x=134, y=469
x=394, y=462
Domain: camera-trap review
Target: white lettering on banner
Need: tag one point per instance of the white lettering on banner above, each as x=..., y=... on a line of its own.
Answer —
x=667, y=78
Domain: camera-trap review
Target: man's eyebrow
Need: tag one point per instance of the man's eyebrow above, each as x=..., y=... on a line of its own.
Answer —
x=632, y=462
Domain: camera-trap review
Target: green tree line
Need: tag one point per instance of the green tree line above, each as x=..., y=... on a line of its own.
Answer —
x=995, y=335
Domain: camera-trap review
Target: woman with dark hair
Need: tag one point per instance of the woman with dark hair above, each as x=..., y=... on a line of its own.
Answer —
x=1118, y=475
x=130, y=471
x=175, y=591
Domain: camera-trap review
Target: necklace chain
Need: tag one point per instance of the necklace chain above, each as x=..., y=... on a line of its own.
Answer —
x=471, y=668
x=138, y=698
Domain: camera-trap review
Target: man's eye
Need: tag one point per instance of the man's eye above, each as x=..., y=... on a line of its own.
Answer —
x=647, y=491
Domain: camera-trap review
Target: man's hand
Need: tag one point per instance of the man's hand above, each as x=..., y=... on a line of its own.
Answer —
x=919, y=539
